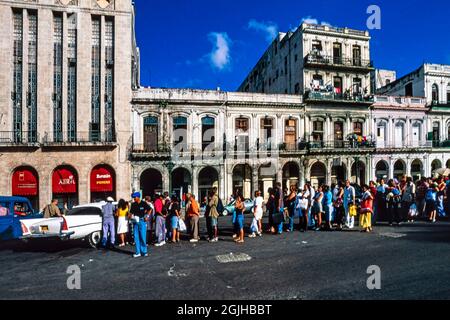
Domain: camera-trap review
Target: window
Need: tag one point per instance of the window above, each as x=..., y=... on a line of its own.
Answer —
x=95, y=80
x=32, y=76
x=109, y=80
x=409, y=90
x=318, y=131
x=4, y=209
x=448, y=95
x=17, y=72
x=316, y=47
x=180, y=130
x=242, y=125
x=337, y=85
x=57, y=79
x=388, y=81
x=357, y=56
x=435, y=93
x=297, y=88
x=290, y=134
x=338, y=134
x=208, y=132
x=357, y=86
x=21, y=209
x=337, y=53
x=358, y=128
x=151, y=134
x=72, y=78
x=87, y=211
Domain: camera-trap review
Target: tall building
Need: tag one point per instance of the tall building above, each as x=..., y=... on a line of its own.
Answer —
x=67, y=68
x=314, y=59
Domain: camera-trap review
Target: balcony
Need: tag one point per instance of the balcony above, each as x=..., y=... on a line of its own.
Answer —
x=397, y=146
x=318, y=60
x=19, y=139
x=445, y=144
x=92, y=139
x=330, y=96
x=352, y=145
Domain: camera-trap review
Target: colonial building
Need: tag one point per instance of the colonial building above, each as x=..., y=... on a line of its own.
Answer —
x=381, y=78
x=191, y=140
x=66, y=74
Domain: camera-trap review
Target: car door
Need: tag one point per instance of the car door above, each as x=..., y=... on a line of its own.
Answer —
x=83, y=221
x=6, y=221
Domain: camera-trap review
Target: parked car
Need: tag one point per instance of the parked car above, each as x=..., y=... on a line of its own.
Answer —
x=81, y=223
x=229, y=208
x=12, y=211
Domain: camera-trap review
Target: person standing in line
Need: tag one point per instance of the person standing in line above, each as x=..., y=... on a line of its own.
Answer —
x=160, y=227
x=408, y=198
x=380, y=202
x=327, y=204
x=431, y=202
x=139, y=211
x=214, y=215
x=338, y=205
x=194, y=216
x=239, y=208
x=270, y=207
x=290, y=203
x=318, y=208
x=304, y=223
x=122, y=223
x=440, y=197
x=174, y=216
x=257, y=214
x=393, y=199
x=151, y=214
x=373, y=191
x=279, y=206
x=366, y=210
x=109, y=227
x=349, y=200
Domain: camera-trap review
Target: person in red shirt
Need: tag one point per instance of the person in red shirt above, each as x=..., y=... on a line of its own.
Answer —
x=366, y=210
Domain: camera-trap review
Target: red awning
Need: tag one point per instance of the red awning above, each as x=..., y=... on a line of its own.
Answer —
x=102, y=180
x=64, y=181
x=24, y=183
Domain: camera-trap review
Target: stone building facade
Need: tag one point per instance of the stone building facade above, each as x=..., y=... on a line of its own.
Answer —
x=66, y=76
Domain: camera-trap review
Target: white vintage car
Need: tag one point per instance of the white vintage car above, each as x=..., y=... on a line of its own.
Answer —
x=81, y=223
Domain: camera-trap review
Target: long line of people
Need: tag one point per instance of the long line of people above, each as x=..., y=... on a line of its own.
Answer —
x=161, y=219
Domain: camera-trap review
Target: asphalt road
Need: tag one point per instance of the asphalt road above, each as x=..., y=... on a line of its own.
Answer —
x=414, y=262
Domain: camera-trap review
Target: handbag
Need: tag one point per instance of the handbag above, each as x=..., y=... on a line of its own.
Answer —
x=181, y=225
x=353, y=212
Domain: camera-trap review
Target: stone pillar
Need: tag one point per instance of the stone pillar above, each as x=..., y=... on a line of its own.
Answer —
x=329, y=164
x=194, y=181
x=222, y=183
x=391, y=168
x=255, y=178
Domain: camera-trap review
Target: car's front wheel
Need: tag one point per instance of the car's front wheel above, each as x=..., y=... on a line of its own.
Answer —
x=225, y=213
x=94, y=239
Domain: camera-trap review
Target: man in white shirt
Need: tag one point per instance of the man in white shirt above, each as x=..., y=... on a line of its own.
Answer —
x=349, y=200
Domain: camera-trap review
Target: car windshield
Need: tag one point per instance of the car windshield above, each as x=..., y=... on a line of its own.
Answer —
x=22, y=209
x=85, y=211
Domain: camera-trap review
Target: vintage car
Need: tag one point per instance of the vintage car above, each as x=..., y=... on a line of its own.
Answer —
x=13, y=210
x=81, y=223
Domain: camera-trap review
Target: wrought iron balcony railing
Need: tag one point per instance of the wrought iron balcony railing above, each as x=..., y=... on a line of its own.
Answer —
x=341, y=97
x=79, y=137
x=324, y=60
x=19, y=137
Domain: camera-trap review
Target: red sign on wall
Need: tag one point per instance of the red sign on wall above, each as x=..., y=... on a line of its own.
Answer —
x=64, y=181
x=24, y=183
x=101, y=180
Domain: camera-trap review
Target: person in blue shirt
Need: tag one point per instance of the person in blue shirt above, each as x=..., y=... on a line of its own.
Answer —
x=380, y=202
x=327, y=203
x=431, y=199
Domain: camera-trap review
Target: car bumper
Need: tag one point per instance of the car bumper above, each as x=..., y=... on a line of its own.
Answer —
x=60, y=236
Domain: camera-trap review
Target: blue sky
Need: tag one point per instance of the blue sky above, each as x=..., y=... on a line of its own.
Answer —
x=207, y=44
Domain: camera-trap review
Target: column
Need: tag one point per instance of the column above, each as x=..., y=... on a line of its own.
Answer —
x=222, y=183
x=329, y=164
x=408, y=167
x=194, y=184
x=328, y=132
x=391, y=168
x=302, y=171
x=255, y=180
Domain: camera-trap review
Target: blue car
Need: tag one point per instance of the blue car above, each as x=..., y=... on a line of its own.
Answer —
x=229, y=208
x=12, y=210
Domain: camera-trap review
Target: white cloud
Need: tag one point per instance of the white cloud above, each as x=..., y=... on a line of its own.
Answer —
x=269, y=28
x=311, y=20
x=220, y=55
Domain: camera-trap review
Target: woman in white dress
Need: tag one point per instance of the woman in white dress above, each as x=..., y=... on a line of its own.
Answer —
x=122, y=223
x=258, y=215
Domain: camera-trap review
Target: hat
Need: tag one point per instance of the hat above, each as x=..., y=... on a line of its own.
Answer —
x=136, y=195
x=109, y=199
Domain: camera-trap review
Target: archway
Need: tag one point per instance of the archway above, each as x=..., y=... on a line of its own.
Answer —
x=382, y=170
x=291, y=175
x=151, y=182
x=417, y=169
x=359, y=173
x=181, y=181
x=242, y=180
x=25, y=183
x=318, y=174
x=266, y=178
x=436, y=164
x=399, y=170
x=103, y=183
x=338, y=173
x=448, y=164
x=208, y=178
x=65, y=186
